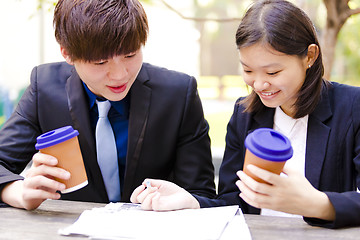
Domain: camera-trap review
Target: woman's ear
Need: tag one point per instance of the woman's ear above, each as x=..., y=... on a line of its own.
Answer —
x=65, y=54
x=312, y=54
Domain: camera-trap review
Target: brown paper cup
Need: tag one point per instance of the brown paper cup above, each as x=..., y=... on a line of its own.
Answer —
x=69, y=158
x=272, y=166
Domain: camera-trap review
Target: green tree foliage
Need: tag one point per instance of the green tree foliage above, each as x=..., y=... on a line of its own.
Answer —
x=347, y=63
x=222, y=16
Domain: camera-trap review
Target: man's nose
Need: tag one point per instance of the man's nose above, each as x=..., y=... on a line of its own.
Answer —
x=118, y=70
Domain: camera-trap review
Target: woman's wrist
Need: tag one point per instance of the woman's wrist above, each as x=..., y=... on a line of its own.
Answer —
x=321, y=208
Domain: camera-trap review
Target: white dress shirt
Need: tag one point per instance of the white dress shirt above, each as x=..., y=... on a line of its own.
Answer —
x=296, y=131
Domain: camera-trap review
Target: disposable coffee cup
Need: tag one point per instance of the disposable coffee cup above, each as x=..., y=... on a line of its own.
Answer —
x=267, y=149
x=63, y=144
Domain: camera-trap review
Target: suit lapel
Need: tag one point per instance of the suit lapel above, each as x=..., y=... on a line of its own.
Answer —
x=263, y=119
x=79, y=111
x=79, y=108
x=317, y=140
x=139, y=111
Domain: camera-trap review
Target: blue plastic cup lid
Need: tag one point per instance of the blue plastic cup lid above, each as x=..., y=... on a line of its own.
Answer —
x=56, y=136
x=269, y=144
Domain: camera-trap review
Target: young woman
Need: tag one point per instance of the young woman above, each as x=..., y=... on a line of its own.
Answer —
x=282, y=63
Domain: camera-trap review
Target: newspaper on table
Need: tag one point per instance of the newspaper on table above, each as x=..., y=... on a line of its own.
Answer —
x=129, y=221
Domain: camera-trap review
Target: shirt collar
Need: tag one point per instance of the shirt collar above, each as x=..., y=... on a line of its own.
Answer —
x=121, y=107
x=286, y=123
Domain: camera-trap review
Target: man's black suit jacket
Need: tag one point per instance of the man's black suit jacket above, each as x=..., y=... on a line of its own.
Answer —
x=168, y=135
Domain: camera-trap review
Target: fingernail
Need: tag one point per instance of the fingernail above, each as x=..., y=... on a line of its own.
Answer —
x=62, y=187
x=67, y=175
x=53, y=161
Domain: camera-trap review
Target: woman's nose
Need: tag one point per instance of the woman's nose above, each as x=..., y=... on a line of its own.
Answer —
x=260, y=84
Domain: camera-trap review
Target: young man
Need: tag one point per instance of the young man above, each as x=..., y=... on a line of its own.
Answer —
x=156, y=114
